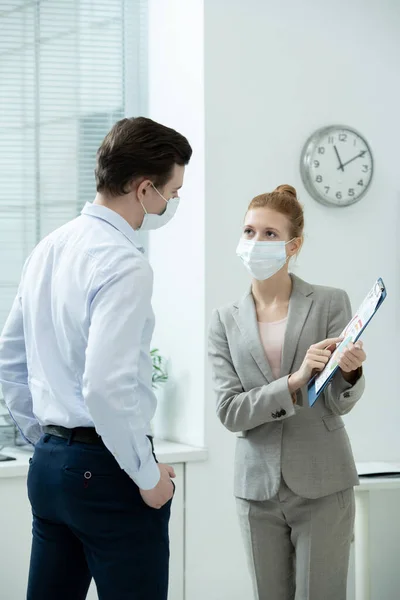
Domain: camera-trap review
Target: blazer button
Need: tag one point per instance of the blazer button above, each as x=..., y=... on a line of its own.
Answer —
x=347, y=394
x=283, y=412
x=274, y=415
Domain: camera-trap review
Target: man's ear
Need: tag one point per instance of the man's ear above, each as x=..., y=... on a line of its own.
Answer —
x=142, y=188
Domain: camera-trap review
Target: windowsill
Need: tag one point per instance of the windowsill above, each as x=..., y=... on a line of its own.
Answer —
x=167, y=452
x=175, y=452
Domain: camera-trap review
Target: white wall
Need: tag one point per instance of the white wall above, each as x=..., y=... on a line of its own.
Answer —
x=282, y=71
x=176, y=98
x=273, y=73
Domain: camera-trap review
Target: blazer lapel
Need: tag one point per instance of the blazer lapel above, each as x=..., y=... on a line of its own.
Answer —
x=299, y=306
x=246, y=319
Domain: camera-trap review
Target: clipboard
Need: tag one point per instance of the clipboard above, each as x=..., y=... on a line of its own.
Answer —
x=351, y=333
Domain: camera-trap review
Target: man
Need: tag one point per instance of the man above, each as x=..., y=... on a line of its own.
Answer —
x=76, y=373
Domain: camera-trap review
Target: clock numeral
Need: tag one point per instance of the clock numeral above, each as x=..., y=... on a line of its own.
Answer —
x=327, y=188
x=361, y=182
x=339, y=195
x=351, y=192
x=342, y=137
x=318, y=179
x=365, y=168
x=321, y=150
x=316, y=164
x=330, y=139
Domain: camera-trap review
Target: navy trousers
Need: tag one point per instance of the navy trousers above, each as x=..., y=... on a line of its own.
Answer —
x=89, y=520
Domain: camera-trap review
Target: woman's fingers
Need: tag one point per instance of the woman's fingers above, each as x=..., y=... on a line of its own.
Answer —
x=352, y=357
x=327, y=343
x=319, y=355
x=349, y=360
x=346, y=365
x=357, y=352
x=316, y=365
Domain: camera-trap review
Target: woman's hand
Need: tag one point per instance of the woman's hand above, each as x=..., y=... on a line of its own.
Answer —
x=351, y=360
x=314, y=362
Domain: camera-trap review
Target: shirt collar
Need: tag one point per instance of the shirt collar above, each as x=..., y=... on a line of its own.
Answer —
x=114, y=219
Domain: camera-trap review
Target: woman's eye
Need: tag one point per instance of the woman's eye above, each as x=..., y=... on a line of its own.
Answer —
x=248, y=231
x=271, y=234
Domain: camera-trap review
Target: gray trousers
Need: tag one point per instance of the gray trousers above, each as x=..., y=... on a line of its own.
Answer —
x=298, y=549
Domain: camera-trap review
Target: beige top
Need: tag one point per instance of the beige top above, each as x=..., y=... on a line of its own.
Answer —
x=272, y=336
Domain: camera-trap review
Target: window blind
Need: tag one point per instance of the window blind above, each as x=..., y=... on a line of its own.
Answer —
x=68, y=70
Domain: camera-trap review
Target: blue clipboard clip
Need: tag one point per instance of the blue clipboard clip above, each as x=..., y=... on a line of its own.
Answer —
x=314, y=388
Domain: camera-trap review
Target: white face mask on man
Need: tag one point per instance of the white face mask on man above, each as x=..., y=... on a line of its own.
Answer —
x=154, y=221
x=262, y=259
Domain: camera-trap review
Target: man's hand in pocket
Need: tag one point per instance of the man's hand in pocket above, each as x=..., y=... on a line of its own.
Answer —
x=164, y=490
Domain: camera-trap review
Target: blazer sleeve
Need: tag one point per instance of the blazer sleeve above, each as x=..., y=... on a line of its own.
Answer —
x=341, y=396
x=239, y=410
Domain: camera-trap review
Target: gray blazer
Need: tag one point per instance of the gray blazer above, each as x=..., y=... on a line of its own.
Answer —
x=309, y=446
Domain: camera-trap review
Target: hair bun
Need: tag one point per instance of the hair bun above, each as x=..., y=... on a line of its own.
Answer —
x=287, y=189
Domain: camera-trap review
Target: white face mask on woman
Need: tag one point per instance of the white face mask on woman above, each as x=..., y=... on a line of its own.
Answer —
x=154, y=221
x=262, y=259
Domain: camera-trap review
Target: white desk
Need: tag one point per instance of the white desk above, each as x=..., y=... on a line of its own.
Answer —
x=15, y=520
x=361, y=528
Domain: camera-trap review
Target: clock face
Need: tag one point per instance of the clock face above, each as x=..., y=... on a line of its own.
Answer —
x=336, y=166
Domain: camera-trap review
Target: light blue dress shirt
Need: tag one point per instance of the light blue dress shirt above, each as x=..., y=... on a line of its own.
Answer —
x=75, y=350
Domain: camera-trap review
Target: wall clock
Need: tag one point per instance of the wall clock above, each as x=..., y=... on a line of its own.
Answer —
x=336, y=166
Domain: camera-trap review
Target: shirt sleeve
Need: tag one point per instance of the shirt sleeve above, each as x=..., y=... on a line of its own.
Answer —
x=14, y=375
x=112, y=387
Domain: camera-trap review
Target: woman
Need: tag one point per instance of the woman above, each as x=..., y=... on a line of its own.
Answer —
x=294, y=468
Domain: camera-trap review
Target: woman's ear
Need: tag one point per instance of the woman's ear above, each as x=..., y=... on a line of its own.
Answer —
x=295, y=246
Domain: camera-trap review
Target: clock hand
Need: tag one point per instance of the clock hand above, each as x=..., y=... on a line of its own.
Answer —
x=362, y=153
x=338, y=157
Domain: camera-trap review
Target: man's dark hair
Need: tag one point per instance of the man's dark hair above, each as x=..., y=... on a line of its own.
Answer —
x=139, y=147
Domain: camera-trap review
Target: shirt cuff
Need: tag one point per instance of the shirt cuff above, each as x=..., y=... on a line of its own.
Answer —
x=148, y=476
